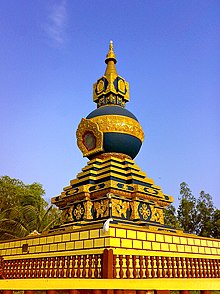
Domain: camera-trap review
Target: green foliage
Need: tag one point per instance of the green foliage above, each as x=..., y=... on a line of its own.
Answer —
x=196, y=216
x=216, y=224
x=23, y=209
x=205, y=214
x=186, y=211
x=170, y=218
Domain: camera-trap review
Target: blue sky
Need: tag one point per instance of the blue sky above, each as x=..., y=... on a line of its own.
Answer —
x=53, y=51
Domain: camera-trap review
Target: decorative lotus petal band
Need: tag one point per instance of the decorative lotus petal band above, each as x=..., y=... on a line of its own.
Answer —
x=119, y=124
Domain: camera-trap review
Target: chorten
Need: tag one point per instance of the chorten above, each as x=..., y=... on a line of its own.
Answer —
x=113, y=239
x=111, y=185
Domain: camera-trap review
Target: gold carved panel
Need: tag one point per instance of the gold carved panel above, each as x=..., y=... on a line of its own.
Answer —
x=119, y=207
x=119, y=124
x=157, y=215
x=101, y=208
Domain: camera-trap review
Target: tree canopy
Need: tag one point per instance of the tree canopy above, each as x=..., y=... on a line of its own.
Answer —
x=23, y=209
x=194, y=215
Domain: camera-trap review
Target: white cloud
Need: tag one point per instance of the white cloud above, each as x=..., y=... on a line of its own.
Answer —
x=57, y=21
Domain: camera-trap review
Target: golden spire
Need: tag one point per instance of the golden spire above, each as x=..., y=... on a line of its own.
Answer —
x=111, y=89
x=110, y=61
x=111, y=54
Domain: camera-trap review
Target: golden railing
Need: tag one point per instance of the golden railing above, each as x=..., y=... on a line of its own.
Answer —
x=76, y=266
x=109, y=265
x=144, y=267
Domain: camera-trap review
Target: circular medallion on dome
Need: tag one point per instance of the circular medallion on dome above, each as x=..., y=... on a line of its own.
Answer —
x=89, y=140
x=89, y=137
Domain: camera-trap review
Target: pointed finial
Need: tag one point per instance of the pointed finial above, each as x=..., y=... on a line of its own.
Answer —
x=111, y=54
x=111, y=45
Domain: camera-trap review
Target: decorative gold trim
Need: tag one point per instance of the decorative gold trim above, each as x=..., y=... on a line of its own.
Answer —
x=113, y=154
x=134, y=208
x=100, y=86
x=88, y=213
x=121, y=85
x=119, y=124
x=87, y=125
x=126, y=97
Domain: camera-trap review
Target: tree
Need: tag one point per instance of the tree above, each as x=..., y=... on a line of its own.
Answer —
x=186, y=212
x=23, y=209
x=216, y=224
x=11, y=192
x=170, y=218
x=197, y=216
x=205, y=213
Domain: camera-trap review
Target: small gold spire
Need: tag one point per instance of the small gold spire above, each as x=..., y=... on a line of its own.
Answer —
x=110, y=61
x=111, y=54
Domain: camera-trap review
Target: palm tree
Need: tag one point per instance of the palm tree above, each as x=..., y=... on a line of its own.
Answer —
x=23, y=209
x=18, y=223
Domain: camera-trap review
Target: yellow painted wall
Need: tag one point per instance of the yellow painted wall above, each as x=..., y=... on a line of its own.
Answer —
x=122, y=238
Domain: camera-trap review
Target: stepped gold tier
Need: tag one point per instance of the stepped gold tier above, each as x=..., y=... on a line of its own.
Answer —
x=112, y=186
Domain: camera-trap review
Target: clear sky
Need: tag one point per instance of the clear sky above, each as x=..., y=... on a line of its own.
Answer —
x=53, y=51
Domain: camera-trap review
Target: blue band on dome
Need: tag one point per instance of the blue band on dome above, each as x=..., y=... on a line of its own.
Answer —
x=121, y=143
x=111, y=110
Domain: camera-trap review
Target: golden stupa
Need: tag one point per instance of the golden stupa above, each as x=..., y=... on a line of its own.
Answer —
x=113, y=239
x=112, y=185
